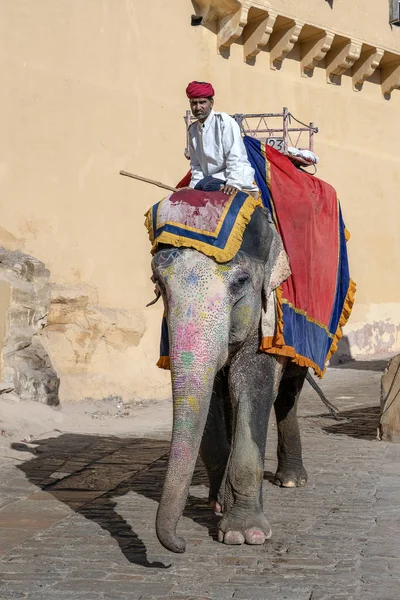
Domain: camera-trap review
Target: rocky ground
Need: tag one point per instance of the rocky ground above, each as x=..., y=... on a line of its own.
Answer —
x=79, y=488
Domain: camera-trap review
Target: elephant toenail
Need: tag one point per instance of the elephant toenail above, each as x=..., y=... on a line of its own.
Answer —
x=255, y=537
x=289, y=484
x=234, y=538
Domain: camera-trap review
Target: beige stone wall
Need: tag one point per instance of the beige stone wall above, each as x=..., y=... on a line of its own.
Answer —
x=5, y=298
x=93, y=87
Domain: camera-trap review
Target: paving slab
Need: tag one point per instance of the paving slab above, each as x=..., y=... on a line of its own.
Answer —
x=77, y=514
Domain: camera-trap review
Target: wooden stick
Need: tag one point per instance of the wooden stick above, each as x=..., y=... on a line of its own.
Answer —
x=157, y=183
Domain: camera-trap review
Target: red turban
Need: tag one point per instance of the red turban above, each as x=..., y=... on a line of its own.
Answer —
x=199, y=89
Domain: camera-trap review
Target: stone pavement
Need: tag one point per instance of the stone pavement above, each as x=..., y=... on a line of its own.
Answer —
x=77, y=515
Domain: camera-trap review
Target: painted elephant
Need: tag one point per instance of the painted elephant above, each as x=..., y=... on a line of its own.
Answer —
x=224, y=387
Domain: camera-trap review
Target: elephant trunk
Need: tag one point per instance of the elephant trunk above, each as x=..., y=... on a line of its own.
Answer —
x=193, y=375
x=190, y=415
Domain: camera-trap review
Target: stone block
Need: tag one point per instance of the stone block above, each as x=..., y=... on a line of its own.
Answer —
x=92, y=347
x=26, y=369
x=389, y=421
x=81, y=332
x=69, y=303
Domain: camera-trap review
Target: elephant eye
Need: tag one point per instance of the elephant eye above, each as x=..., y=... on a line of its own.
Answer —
x=239, y=281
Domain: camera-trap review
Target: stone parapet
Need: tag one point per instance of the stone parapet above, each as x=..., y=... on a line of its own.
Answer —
x=259, y=27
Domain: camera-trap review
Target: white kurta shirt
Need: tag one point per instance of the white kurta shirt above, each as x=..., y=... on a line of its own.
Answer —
x=216, y=148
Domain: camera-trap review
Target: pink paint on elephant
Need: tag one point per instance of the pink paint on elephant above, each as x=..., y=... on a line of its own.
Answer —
x=181, y=451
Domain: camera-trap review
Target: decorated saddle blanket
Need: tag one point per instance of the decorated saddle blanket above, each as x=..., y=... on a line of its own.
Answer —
x=315, y=302
x=211, y=222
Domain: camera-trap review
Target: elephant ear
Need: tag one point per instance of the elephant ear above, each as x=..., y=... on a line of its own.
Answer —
x=277, y=267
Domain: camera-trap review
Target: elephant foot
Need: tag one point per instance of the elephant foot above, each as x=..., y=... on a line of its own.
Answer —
x=216, y=507
x=233, y=534
x=290, y=477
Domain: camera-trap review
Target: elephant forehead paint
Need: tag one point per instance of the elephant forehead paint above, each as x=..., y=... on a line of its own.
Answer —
x=200, y=307
x=200, y=299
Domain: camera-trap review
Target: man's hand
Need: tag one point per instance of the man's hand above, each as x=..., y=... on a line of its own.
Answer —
x=228, y=189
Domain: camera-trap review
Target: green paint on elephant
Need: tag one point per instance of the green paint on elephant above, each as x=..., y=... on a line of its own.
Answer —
x=187, y=358
x=244, y=314
x=184, y=424
x=220, y=269
x=190, y=400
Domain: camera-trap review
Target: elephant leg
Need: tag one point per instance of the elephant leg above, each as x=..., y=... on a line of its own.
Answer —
x=215, y=444
x=252, y=380
x=290, y=471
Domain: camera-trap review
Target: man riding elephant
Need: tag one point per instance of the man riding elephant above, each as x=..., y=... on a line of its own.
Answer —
x=242, y=327
x=218, y=158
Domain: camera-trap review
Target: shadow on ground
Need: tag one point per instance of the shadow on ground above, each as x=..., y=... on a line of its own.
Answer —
x=87, y=472
x=361, y=423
